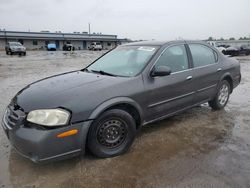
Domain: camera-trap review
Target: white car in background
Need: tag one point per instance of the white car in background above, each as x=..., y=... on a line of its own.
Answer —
x=220, y=48
x=95, y=46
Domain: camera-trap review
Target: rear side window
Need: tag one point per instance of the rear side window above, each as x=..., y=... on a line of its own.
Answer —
x=202, y=55
x=175, y=58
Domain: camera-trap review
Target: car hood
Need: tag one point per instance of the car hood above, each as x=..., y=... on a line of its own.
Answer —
x=79, y=92
x=15, y=47
x=57, y=90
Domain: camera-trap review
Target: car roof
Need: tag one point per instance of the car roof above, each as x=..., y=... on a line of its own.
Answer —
x=162, y=43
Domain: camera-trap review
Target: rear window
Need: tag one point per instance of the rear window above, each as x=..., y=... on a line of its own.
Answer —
x=202, y=55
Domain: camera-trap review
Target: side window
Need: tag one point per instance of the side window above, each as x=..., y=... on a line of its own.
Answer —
x=175, y=58
x=202, y=55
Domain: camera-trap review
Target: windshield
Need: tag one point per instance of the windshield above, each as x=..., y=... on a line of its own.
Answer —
x=15, y=44
x=124, y=61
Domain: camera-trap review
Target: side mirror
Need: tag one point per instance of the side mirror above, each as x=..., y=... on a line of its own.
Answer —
x=161, y=71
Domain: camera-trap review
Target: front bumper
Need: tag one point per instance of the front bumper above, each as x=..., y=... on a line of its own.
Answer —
x=43, y=145
x=17, y=50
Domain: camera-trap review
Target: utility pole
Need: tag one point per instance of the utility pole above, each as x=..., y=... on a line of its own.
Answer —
x=5, y=35
x=89, y=29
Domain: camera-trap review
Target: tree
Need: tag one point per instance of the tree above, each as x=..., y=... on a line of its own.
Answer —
x=232, y=38
x=210, y=38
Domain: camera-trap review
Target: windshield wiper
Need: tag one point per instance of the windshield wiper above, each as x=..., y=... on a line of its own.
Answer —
x=101, y=72
x=86, y=69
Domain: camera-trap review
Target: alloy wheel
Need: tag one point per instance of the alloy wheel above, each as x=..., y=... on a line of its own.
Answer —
x=223, y=94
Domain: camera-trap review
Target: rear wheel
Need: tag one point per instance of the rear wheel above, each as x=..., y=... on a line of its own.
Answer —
x=221, y=97
x=111, y=134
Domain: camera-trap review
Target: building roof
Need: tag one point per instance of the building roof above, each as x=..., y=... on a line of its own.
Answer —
x=57, y=36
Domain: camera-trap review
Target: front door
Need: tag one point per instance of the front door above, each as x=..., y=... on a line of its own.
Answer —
x=169, y=94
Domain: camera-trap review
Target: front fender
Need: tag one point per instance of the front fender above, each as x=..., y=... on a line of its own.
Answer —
x=115, y=101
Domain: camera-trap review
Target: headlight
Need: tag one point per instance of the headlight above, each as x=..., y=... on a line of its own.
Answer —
x=49, y=117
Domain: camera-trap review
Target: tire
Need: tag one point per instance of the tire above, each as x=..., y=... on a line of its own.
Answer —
x=111, y=134
x=222, y=96
x=7, y=53
x=24, y=53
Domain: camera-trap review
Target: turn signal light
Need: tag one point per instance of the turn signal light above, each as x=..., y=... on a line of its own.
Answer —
x=67, y=133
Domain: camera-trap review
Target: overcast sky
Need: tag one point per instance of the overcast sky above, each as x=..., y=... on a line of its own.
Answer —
x=135, y=19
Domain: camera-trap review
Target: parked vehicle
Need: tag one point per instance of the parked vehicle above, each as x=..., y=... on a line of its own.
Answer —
x=223, y=45
x=95, y=46
x=103, y=106
x=221, y=48
x=68, y=47
x=15, y=48
x=51, y=47
x=238, y=50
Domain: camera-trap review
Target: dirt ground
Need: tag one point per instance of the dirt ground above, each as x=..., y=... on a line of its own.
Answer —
x=197, y=148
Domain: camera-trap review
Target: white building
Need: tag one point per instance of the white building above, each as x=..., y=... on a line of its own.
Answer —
x=39, y=40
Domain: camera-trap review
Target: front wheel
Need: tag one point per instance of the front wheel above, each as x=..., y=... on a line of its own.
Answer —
x=111, y=134
x=221, y=97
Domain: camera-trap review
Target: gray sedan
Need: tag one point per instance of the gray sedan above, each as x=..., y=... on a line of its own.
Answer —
x=103, y=106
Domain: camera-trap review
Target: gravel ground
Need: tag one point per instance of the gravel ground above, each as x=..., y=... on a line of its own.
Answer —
x=197, y=148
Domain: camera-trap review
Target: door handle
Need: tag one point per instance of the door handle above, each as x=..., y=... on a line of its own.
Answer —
x=189, y=78
x=219, y=69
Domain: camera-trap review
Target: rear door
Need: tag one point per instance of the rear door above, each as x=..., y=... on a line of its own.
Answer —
x=206, y=71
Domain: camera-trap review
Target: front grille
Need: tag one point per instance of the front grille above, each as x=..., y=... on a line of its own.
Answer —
x=14, y=116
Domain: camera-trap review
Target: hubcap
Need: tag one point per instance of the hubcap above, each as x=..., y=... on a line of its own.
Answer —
x=223, y=94
x=112, y=133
